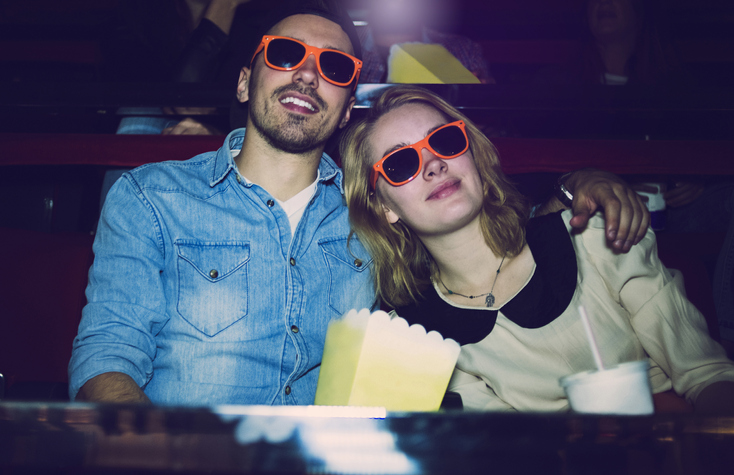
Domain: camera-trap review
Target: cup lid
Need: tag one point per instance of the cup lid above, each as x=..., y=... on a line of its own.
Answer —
x=593, y=375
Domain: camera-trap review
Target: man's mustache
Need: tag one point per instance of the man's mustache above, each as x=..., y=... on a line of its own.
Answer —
x=306, y=91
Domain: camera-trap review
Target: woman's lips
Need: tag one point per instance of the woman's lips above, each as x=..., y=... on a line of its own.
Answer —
x=445, y=189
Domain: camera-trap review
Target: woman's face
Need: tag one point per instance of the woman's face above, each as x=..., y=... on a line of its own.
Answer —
x=447, y=193
x=612, y=19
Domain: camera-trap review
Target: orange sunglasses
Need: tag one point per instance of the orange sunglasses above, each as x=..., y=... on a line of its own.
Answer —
x=286, y=54
x=404, y=164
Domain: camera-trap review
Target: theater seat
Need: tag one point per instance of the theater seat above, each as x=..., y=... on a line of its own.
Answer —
x=43, y=281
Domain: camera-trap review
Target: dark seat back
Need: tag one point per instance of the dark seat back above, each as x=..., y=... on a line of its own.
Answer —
x=41, y=298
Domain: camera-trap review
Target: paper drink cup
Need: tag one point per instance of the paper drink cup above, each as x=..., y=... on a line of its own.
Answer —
x=621, y=389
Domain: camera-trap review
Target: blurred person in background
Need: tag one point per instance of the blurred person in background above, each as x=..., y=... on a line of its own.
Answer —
x=182, y=41
x=179, y=41
x=629, y=43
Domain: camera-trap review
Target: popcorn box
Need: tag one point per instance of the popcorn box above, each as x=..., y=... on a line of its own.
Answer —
x=373, y=360
x=419, y=63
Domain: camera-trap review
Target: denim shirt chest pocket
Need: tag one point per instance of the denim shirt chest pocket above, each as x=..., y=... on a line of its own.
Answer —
x=212, y=291
x=345, y=264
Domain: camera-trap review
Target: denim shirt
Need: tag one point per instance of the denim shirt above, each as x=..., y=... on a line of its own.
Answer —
x=199, y=292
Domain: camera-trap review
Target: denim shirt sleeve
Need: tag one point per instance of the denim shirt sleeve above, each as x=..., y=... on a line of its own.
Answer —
x=126, y=303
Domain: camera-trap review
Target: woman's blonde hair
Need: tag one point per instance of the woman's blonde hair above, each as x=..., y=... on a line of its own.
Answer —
x=402, y=265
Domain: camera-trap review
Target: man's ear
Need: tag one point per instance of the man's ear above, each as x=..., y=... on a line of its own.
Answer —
x=347, y=112
x=392, y=218
x=243, y=85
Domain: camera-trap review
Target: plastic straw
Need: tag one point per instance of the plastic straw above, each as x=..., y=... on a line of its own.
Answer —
x=590, y=337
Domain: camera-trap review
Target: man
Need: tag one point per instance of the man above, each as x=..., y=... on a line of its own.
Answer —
x=214, y=279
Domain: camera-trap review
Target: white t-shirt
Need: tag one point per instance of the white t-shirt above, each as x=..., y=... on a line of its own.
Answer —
x=296, y=205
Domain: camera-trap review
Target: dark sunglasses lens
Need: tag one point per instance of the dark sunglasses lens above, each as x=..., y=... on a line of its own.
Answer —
x=285, y=53
x=448, y=141
x=401, y=165
x=336, y=66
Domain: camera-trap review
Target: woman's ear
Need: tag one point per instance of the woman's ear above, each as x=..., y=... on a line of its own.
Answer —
x=392, y=218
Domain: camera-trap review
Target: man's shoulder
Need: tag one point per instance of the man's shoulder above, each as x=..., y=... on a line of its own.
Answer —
x=174, y=174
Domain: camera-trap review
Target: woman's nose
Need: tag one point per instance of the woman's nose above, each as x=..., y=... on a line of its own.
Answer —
x=432, y=164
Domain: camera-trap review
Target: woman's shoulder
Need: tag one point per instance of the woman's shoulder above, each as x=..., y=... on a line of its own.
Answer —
x=550, y=238
x=594, y=252
x=550, y=227
x=551, y=288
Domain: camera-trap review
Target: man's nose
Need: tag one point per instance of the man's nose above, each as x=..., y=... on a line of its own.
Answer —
x=308, y=73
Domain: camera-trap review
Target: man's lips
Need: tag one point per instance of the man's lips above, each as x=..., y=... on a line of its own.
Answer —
x=298, y=103
x=445, y=189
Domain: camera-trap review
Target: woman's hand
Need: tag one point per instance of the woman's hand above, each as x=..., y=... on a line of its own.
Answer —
x=626, y=215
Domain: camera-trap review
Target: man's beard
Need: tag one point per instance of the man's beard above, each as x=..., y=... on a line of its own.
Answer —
x=291, y=135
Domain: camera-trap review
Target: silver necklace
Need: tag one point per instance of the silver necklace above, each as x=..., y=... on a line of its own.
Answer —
x=490, y=297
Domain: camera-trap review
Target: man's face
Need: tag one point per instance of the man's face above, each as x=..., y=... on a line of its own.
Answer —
x=297, y=111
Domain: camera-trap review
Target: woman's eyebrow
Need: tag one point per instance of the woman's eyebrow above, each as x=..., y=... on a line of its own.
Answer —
x=433, y=129
x=404, y=144
x=395, y=147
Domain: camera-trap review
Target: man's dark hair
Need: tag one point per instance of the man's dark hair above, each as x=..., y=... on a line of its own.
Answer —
x=330, y=9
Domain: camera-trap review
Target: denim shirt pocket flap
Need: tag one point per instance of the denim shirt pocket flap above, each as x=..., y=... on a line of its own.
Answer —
x=346, y=267
x=212, y=293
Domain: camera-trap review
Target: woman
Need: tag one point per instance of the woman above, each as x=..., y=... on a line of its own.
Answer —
x=454, y=251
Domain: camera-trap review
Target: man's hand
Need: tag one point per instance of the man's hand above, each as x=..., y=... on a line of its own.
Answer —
x=625, y=213
x=112, y=387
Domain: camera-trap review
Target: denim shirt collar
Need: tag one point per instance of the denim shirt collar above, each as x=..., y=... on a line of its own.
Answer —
x=224, y=162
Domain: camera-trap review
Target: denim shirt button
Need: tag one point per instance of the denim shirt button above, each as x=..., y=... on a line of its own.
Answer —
x=293, y=261
x=239, y=178
x=287, y=390
x=271, y=203
x=358, y=262
x=213, y=273
x=294, y=329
